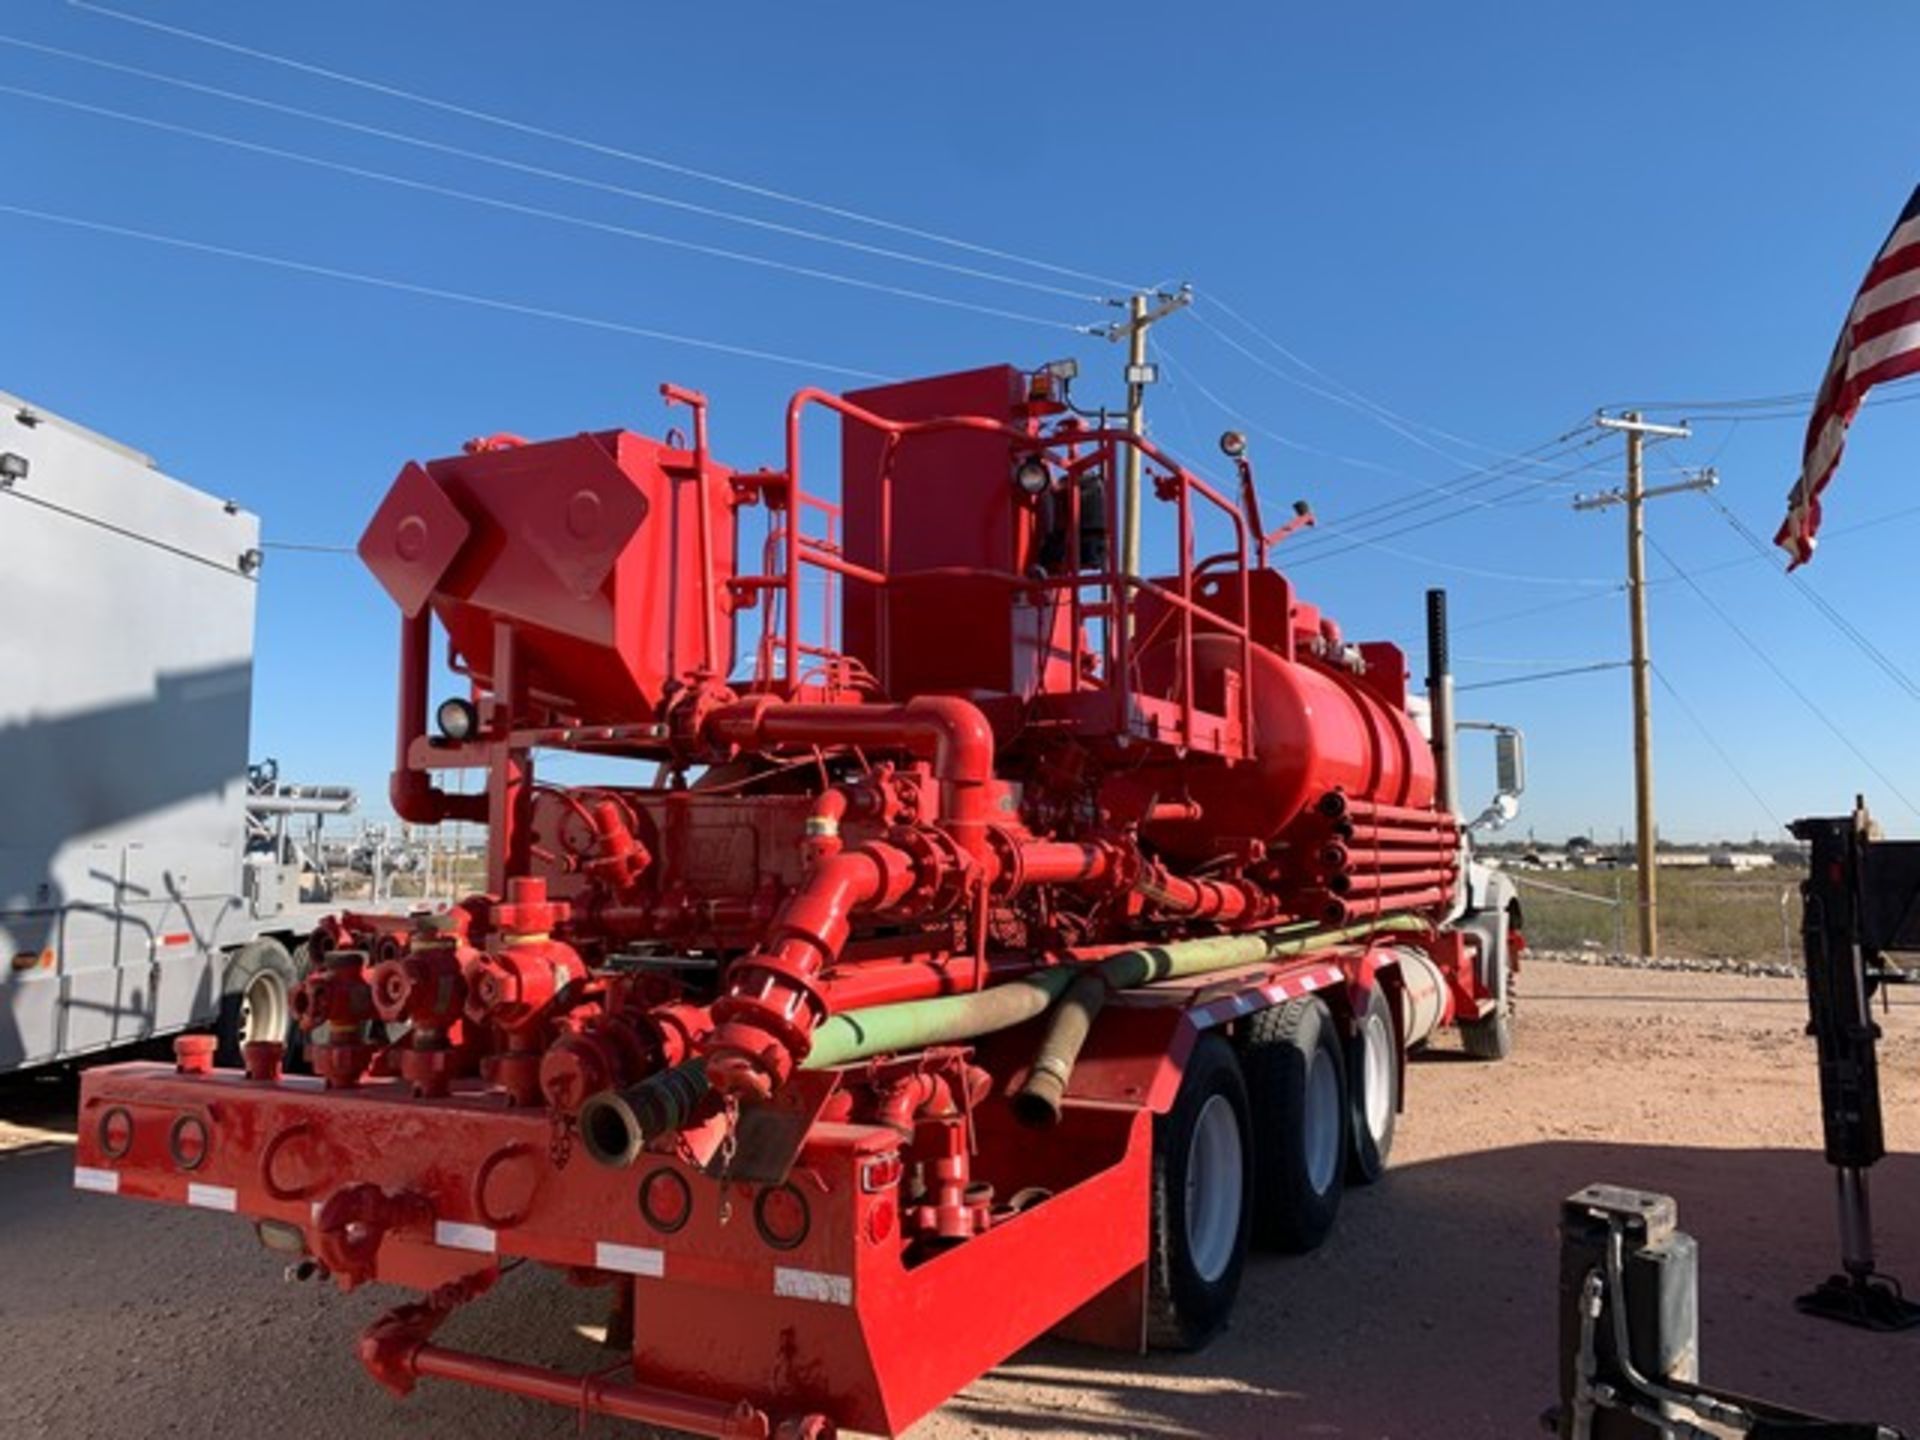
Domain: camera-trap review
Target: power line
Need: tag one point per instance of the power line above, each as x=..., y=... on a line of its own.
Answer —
x=1714, y=741
x=1519, y=577
x=1598, y=665
x=545, y=172
x=1892, y=393
x=515, y=207
x=434, y=292
x=1180, y=367
x=577, y=142
x=1455, y=490
x=1340, y=537
x=1848, y=630
x=1529, y=611
x=1343, y=537
x=1325, y=393
x=1781, y=675
x=1341, y=393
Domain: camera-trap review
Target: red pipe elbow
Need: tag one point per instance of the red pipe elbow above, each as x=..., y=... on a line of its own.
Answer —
x=412, y=793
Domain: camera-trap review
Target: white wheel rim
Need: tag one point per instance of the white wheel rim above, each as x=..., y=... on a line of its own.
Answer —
x=1376, y=1075
x=1215, y=1181
x=1320, y=1124
x=263, y=1009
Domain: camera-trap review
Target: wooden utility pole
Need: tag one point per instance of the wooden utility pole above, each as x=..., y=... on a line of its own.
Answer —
x=1140, y=374
x=1634, y=497
x=1645, y=835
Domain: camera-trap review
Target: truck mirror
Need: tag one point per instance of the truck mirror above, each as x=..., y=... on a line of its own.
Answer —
x=1510, y=762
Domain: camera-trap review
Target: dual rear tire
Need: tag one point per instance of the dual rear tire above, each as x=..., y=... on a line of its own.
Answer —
x=1257, y=1150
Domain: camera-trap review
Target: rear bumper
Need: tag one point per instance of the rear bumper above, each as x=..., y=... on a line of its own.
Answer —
x=728, y=1309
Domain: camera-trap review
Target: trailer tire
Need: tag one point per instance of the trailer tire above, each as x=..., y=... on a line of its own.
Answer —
x=1373, y=1088
x=1297, y=1076
x=1491, y=1038
x=1202, y=1201
x=256, y=999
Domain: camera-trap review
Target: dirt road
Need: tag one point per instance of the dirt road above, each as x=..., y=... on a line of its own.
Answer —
x=1428, y=1316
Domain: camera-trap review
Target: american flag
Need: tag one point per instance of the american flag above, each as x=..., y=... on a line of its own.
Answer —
x=1880, y=341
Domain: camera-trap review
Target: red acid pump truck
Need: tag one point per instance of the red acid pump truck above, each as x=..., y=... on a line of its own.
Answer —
x=985, y=921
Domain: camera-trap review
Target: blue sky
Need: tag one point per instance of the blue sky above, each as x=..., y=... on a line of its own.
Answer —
x=1486, y=220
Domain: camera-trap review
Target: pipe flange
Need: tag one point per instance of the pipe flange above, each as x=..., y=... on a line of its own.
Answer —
x=942, y=871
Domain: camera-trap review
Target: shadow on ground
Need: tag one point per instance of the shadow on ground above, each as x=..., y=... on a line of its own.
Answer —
x=1428, y=1316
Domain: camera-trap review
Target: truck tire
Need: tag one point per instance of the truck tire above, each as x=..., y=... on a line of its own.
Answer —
x=1202, y=1201
x=1297, y=1076
x=256, y=1000
x=1491, y=1038
x=1373, y=1089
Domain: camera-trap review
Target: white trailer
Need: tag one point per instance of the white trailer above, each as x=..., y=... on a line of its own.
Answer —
x=127, y=908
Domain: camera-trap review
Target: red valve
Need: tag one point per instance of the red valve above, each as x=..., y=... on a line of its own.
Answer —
x=353, y=1222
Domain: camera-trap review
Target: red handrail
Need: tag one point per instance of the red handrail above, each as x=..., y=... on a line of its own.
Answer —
x=1119, y=590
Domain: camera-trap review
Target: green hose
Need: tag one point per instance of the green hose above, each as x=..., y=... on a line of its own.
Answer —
x=617, y=1124
x=915, y=1024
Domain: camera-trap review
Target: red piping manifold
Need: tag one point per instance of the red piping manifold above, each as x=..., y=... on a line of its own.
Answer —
x=764, y=1022
x=949, y=733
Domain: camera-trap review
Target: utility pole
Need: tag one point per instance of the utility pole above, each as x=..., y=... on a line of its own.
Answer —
x=1634, y=496
x=1141, y=315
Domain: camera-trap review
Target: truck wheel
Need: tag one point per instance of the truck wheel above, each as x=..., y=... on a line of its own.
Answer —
x=1297, y=1077
x=1491, y=1038
x=1202, y=1201
x=256, y=1001
x=1373, y=1083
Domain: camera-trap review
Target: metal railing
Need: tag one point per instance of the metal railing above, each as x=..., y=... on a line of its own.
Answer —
x=1106, y=594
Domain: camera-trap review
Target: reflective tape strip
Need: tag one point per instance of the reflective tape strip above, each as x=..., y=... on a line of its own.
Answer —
x=451, y=1235
x=630, y=1259
x=213, y=1197
x=1232, y=1007
x=813, y=1285
x=102, y=1182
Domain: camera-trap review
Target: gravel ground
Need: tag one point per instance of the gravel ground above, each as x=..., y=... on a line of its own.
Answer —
x=1428, y=1316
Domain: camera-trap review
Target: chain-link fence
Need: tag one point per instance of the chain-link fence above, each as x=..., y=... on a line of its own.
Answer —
x=1750, y=916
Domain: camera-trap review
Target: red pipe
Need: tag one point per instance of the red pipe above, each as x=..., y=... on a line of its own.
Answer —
x=949, y=733
x=1221, y=900
x=709, y=592
x=412, y=793
x=1384, y=835
x=586, y=1393
x=764, y=1021
x=1398, y=834
x=1402, y=880
x=1336, y=805
x=1336, y=910
x=1061, y=862
x=1367, y=862
x=1361, y=858
x=858, y=984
